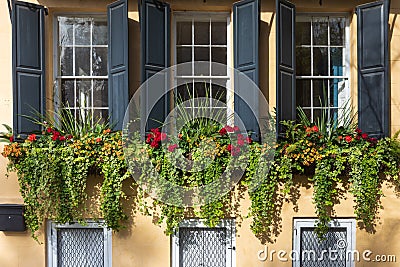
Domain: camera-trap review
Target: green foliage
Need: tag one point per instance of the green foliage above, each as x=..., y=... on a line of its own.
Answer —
x=53, y=169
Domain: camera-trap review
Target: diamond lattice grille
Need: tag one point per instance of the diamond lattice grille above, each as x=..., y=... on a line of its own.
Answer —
x=315, y=252
x=202, y=247
x=80, y=247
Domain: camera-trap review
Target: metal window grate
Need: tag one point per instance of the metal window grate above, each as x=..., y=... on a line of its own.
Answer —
x=202, y=247
x=315, y=252
x=80, y=247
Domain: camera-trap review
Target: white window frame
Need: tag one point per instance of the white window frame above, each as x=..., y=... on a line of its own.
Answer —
x=349, y=224
x=56, y=93
x=344, y=94
x=203, y=15
x=52, y=241
x=229, y=224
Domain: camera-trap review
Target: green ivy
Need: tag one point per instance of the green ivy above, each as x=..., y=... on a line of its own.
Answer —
x=53, y=169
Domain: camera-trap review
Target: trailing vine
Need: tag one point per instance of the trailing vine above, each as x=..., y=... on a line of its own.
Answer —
x=53, y=169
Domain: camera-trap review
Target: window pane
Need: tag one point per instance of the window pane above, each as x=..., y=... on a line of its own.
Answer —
x=320, y=93
x=218, y=55
x=84, y=93
x=65, y=31
x=303, y=93
x=303, y=61
x=337, y=86
x=201, y=89
x=320, y=58
x=218, y=33
x=202, y=54
x=183, y=54
x=337, y=31
x=307, y=112
x=100, y=61
x=100, y=114
x=336, y=61
x=66, y=61
x=303, y=33
x=184, y=33
x=320, y=31
x=100, y=34
x=82, y=32
x=82, y=61
x=67, y=93
x=219, y=93
x=100, y=93
x=201, y=33
x=184, y=91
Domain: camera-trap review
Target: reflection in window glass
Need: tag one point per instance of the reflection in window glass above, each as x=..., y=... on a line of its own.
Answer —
x=320, y=65
x=82, y=65
x=201, y=37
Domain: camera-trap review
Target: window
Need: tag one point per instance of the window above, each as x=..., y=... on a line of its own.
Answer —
x=77, y=245
x=336, y=250
x=82, y=73
x=202, y=37
x=321, y=65
x=195, y=244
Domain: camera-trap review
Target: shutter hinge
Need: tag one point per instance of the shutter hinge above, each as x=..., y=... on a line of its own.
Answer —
x=46, y=11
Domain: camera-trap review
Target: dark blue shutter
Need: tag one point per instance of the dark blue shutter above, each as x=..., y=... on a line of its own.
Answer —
x=373, y=68
x=28, y=66
x=155, y=56
x=118, y=88
x=245, y=40
x=286, y=63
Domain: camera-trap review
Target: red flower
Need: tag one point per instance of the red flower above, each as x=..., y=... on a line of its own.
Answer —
x=69, y=137
x=54, y=137
x=229, y=148
x=373, y=140
x=223, y=131
x=11, y=139
x=357, y=137
x=358, y=130
x=163, y=136
x=32, y=137
x=155, y=131
x=315, y=128
x=229, y=129
x=240, y=142
x=171, y=148
x=98, y=139
x=235, y=151
x=62, y=138
x=364, y=136
x=348, y=138
x=149, y=137
x=56, y=133
x=49, y=130
x=154, y=144
x=107, y=131
x=249, y=140
x=236, y=129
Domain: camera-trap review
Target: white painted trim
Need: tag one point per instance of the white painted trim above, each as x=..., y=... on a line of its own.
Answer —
x=52, y=240
x=229, y=224
x=349, y=224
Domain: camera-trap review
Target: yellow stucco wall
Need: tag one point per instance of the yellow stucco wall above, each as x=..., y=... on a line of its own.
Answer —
x=143, y=244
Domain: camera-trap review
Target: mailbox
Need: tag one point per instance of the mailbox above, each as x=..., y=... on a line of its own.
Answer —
x=12, y=218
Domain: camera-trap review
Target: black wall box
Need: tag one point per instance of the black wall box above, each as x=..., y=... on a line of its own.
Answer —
x=12, y=218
